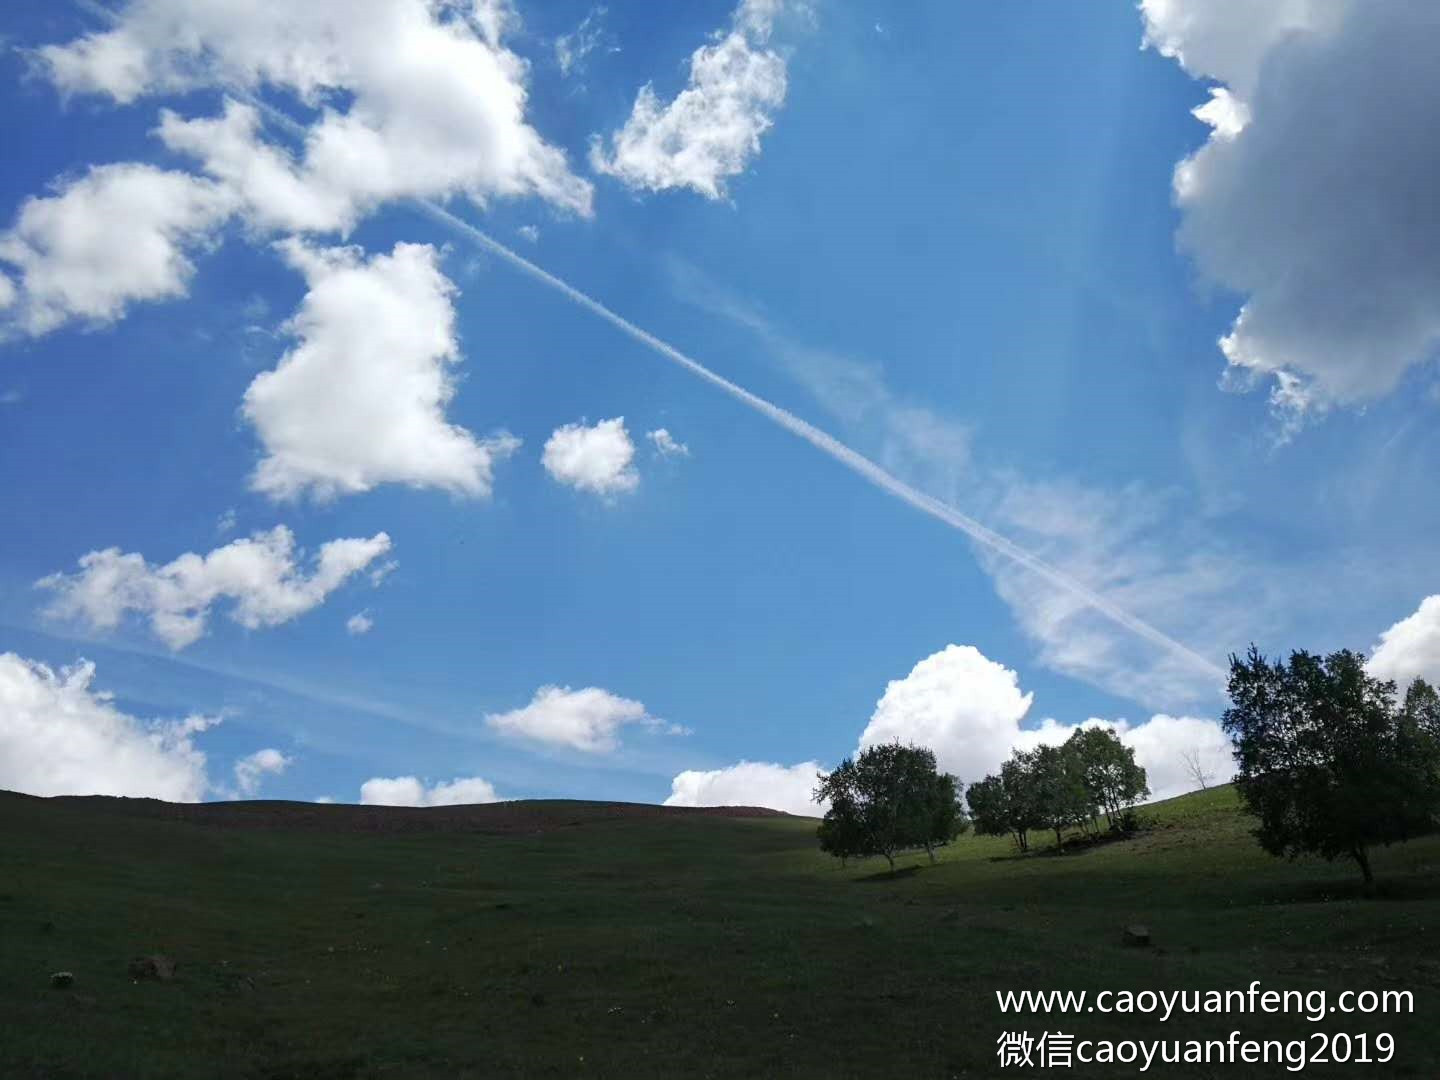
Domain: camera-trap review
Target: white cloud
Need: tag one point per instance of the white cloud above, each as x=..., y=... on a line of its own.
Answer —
x=252, y=769
x=595, y=459
x=666, y=445
x=969, y=710
x=572, y=49
x=117, y=235
x=529, y=232
x=360, y=400
x=359, y=623
x=1163, y=742
x=588, y=720
x=751, y=783
x=411, y=791
x=7, y=292
x=711, y=130
x=959, y=703
x=261, y=576
x=226, y=522
x=1410, y=649
x=58, y=736
x=1326, y=104
x=411, y=99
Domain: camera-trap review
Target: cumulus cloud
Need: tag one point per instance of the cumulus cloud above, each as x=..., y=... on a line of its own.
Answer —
x=411, y=791
x=595, y=459
x=1306, y=196
x=360, y=400
x=711, y=130
x=751, y=783
x=970, y=709
x=252, y=769
x=666, y=445
x=120, y=234
x=359, y=623
x=959, y=703
x=59, y=736
x=410, y=98
x=261, y=576
x=1410, y=649
x=588, y=720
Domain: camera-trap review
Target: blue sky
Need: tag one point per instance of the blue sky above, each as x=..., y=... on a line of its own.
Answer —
x=951, y=236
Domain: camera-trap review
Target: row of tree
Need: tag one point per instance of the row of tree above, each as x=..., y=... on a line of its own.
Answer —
x=1059, y=787
x=1331, y=762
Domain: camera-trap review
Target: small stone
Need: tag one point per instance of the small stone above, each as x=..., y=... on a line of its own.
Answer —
x=62, y=980
x=1136, y=935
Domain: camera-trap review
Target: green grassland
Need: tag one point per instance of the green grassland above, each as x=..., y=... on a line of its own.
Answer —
x=661, y=946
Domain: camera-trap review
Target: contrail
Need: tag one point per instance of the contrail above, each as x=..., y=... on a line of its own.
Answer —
x=826, y=443
x=823, y=441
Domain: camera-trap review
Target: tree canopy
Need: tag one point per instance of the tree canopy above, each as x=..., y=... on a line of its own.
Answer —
x=887, y=799
x=1327, y=760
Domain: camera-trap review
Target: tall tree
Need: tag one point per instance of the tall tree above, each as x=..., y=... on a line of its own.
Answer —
x=947, y=815
x=1327, y=761
x=1057, y=779
x=1108, y=770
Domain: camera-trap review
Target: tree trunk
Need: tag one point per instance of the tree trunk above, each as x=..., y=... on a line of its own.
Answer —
x=891, y=860
x=930, y=850
x=1363, y=858
x=1058, y=842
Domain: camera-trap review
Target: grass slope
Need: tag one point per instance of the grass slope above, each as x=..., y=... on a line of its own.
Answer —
x=581, y=940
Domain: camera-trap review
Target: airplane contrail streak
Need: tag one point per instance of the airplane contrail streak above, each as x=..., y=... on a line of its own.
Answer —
x=827, y=443
x=823, y=441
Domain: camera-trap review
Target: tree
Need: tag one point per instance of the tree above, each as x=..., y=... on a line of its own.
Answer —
x=989, y=809
x=1327, y=762
x=840, y=832
x=947, y=815
x=1108, y=770
x=1005, y=803
x=1056, y=777
x=887, y=799
x=1196, y=769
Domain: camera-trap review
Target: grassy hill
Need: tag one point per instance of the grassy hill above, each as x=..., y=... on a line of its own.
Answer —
x=564, y=939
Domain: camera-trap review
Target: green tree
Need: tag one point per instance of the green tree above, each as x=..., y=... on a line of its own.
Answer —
x=947, y=815
x=888, y=799
x=1108, y=770
x=1006, y=803
x=1327, y=762
x=1056, y=779
x=988, y=808
x=840, y=833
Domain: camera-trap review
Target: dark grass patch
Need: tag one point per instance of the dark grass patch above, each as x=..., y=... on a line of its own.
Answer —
x=654, y=946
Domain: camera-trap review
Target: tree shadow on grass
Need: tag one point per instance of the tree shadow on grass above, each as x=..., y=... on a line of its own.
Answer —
x=1396, y=887
x=1074, y=845
x=889, y=875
